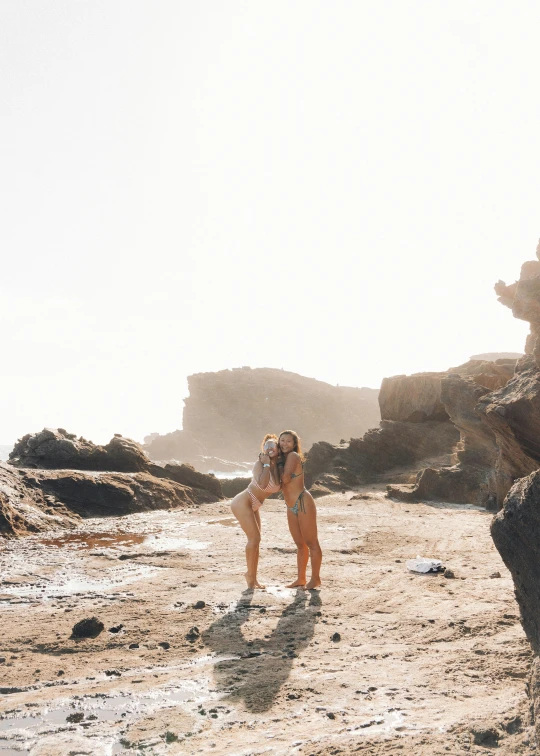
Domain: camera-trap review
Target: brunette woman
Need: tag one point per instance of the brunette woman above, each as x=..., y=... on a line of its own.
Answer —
x=245, y=505
x=301, y=511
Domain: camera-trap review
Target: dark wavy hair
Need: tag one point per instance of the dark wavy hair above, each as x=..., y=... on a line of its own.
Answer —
x=297, y=443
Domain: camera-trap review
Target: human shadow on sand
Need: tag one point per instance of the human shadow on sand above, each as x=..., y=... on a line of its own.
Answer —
x=265, y=663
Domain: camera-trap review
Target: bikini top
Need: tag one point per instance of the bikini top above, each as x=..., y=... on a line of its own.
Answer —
x=294, y=475
x=270, y=487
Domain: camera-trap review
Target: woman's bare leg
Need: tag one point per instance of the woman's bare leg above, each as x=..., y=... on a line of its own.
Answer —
x=250, y=522
x=307, y=522
x=302, y=551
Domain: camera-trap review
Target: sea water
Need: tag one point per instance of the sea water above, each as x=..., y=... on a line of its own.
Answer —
x=5, y=449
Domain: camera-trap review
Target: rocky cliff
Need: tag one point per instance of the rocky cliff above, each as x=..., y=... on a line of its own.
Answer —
x=227, y=414
x=513, y=414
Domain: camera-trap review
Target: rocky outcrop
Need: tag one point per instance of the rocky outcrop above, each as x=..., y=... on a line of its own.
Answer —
x=33, y=500
x=228, y=413
x=53, y=479
x=472, y=479
x=25, y=509
x=57, y=449
x=393, y=445
x=412, y=398
x=513, y=414
x=424, y=417
x=188, y=476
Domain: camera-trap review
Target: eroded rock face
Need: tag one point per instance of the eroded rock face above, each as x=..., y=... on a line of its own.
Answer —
x=229, y=412
x=412, y=398
x=26, y=509
x=513, y=415
x=33, y=500
x=516, y=533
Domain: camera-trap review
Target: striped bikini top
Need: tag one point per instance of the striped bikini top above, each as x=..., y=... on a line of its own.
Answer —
x=270, y=487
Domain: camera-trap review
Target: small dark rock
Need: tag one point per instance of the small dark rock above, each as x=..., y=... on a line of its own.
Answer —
x=113, y=673
x=450, y=574
x=485, y=735
x=372, y=688
x=164, y=644
x=330, y=715
x=170, y=737
x=199, y=605
x=194, y=634
x=133, y=645
x=87, y=628
x=76, y=717
x=115, y=628
x=60, y=673
x=336, y=637
x=495, y=574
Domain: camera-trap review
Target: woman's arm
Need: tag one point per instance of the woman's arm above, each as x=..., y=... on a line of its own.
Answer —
x=260, y=473
x=291, y=464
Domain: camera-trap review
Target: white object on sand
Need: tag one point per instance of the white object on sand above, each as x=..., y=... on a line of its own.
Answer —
x=422, y=564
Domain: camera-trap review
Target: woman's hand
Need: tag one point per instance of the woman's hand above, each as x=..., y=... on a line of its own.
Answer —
x=264, y=458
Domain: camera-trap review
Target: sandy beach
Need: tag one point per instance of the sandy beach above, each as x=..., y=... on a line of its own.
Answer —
x=380, y=661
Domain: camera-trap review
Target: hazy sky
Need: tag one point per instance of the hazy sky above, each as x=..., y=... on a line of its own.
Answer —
x=328, y=187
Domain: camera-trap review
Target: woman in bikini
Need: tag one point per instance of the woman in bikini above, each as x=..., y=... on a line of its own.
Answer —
x=245, y=505
x=301, y=511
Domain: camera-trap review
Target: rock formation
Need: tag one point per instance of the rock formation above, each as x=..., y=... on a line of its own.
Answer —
x=58, y=449
x=472, y=479
x=53, y=479
x=513, y=414
x=227, y=414
x=424, y=417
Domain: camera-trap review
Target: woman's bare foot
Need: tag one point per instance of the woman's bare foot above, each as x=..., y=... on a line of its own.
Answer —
x=313, y=583
x=297, y=584
x=253, y=583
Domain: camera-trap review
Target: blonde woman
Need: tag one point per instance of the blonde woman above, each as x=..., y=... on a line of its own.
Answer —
x=245, y=505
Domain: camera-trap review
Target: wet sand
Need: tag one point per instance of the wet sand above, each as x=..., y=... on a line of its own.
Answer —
x=380, y=661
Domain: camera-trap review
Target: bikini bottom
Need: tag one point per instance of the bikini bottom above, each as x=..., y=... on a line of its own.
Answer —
x=299, y=501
